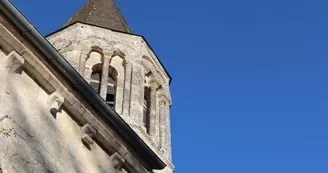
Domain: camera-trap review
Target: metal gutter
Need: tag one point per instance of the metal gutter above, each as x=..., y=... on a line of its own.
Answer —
x=51, y=55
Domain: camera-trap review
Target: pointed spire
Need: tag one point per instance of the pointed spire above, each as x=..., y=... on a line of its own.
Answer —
x=102, y=13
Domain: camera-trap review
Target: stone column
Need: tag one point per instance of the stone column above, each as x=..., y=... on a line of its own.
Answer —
x=127, y=89
x=153, y=118
x=119, y=94
x=168, y=132
x=83, y=59
x=162, y=107
x=104, y=77
x=117, y=63
x=137, y=93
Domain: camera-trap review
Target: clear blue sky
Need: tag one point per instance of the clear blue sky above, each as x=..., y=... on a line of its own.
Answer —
x=250, y=78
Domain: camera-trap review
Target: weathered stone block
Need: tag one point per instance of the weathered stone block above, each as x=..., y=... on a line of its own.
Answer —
x=14, y=62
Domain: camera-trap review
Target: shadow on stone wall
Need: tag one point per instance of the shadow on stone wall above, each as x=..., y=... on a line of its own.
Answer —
x=31, y=141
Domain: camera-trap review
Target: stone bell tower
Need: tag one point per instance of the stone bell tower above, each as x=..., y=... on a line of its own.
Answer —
x=123, y=69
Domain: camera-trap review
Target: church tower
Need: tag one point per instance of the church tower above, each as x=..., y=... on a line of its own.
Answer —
x=123, y=69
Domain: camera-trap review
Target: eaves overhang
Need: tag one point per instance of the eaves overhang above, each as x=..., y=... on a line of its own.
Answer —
x=55, y=59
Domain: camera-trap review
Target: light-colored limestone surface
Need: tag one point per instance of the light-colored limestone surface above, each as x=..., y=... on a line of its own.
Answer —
x=46, y=128
x=35, y=140
x=137, y=67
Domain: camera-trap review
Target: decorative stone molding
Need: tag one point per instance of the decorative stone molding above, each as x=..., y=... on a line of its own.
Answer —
x=11, y=43
x=55, y=101
x=87, y=134
x=14, y=62
x=154, y=84
x=119, y=45
x=163, y=96
x=117, y=161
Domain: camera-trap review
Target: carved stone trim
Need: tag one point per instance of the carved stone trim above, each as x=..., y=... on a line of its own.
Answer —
x=14, y=62
x=154, y=84
x=87, y=134
x=8, y=38
x=117, y=161
x=55, y=101
x=163, y=95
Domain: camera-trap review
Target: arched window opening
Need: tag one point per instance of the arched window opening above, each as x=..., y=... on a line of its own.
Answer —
x=111, y=87
x=146, y=109
x=103, y=72
x=95, y=79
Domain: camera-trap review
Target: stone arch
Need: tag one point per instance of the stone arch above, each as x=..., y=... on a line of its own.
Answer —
x=95, y=41
x=148, y=63
x=110, y=46
x=117, y=61
x=93, y=58
x=95, y=77
x=149, y=69
x=159, y=77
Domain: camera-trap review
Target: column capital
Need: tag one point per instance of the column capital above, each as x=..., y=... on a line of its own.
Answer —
x=154, y=85
x=118, y=53
x=87, y=49
x=127, y=62
x=107, y=57
x=164, y=96
x=84, y=55
x=162, y=102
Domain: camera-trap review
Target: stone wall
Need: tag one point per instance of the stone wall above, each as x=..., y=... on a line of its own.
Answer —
x=32, y=139
x=139, y=68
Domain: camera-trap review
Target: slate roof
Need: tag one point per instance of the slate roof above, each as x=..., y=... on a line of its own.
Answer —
x=103, y=13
